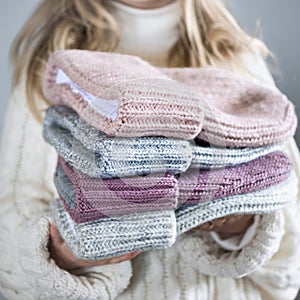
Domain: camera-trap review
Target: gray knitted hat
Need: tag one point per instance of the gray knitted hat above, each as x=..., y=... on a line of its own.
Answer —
x=98, y=155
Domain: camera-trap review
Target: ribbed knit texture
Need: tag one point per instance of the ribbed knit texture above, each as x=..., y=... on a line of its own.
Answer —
x=98, y=155
x=116, y=236
x=149, y=102
x=99, y=198
x=90, y=199
x=229, y=110
x=155, y=230
x=263, y=201
x=239, y=113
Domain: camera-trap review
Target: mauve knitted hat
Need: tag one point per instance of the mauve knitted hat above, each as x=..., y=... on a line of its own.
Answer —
x=89, y=199
x=122, y=95
x=111, y=237
x=98, y=155
x=94, y=198
x=263, y=201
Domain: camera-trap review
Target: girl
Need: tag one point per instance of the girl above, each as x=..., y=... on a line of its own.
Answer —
x=35, y=261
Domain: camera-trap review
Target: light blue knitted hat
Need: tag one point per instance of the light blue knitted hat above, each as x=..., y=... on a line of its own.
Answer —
x=98, y=155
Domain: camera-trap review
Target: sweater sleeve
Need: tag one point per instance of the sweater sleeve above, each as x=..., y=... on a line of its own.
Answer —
x=26, y=179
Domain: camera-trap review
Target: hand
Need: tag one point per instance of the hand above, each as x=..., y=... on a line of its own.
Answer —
x=65, y=259
x=227, y=226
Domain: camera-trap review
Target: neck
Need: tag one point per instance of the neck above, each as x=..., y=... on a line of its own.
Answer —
x=146, y=4
x=148, y=33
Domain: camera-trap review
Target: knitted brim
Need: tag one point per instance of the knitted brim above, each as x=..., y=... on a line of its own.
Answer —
x=116, y=236
x=95, y=198
x=123, y=95
x=264, y=201
x=90, y=199
x=205, y=185
x=238, y=113
x=98, y=155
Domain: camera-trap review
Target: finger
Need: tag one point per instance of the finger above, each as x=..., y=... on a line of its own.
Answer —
x=124, y=257
x=55, y=235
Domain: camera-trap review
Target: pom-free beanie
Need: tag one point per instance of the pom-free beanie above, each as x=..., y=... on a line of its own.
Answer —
x=98, y=155
x=111, y=237
x=92, y=198
x=122, y=95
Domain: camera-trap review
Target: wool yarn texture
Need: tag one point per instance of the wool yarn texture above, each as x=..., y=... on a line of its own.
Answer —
x=90, y=199
x=124, y=96
x=111, y=237
x=258, y=202
x=98, y=155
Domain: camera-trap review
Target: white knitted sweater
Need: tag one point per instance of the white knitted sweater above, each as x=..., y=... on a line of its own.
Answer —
x=196, y=267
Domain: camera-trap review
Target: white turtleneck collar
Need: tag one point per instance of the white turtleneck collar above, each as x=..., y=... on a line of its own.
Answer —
x=148, y=33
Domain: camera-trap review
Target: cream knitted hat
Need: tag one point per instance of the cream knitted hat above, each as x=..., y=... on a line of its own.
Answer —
x=122, y=95
x=111, y=237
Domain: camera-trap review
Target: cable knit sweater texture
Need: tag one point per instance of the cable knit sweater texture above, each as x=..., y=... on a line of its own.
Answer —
x=266, y=268
x=27, y=273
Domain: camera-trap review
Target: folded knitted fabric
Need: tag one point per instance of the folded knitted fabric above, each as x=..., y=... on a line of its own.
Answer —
x=263, y=201
x=88, y=199
x=110, y=237
x=122, y=95
x=116, y=236
x=105, y=89
x=206, y=185
x=239, y=113
x=94, y=198
x=98, y=155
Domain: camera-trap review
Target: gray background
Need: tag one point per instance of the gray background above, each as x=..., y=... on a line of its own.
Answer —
x=279, y=20
x=280, y=24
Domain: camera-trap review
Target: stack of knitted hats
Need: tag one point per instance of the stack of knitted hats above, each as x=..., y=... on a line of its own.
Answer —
x=135, y=166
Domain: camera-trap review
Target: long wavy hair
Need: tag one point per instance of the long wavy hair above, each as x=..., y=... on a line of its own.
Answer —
x=209, y=35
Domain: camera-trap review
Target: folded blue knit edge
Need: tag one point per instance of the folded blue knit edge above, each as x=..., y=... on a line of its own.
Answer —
x=98, y=155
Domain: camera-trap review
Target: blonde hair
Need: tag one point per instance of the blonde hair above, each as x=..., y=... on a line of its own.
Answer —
x=208, y=35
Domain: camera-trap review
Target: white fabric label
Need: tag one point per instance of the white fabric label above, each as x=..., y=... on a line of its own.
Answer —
x=108, y=108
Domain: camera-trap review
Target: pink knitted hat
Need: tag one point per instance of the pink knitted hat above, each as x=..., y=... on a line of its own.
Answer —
x=239, y=113
x=123, y=95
